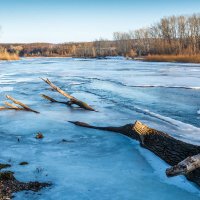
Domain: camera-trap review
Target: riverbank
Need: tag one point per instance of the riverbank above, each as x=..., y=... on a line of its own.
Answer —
x=151, y=58
x=10, y=185
x=8, y=56
x=173, y=58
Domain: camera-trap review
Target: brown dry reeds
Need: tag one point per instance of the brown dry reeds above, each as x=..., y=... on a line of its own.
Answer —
x=8, y=56
x=174, y=58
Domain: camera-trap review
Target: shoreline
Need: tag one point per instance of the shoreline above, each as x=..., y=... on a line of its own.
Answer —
x=156, y=58
x=173, y=58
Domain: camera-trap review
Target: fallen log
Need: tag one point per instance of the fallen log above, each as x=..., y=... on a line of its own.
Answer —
x=168, y=148
x=72, y=100
x=184, y=167
x=10, y=106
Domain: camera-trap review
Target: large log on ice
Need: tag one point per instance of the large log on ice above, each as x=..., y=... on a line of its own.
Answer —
x=168, y=148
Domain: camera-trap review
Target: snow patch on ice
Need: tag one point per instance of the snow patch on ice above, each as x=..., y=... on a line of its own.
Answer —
x=194, y=132
x=6, y=89
x=160, y=166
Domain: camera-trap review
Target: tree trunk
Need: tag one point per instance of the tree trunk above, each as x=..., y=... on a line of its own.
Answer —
x=171, y=150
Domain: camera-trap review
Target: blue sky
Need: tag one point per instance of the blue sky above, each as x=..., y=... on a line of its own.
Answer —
x=82, y=20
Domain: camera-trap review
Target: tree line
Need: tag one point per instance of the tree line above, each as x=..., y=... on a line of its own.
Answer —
x=98, y=48
x=175, y=35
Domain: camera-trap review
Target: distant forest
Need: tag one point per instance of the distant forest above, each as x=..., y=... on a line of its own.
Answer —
x=175, y=35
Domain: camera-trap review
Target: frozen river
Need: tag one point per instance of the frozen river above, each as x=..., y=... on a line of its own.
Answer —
x=98, y=165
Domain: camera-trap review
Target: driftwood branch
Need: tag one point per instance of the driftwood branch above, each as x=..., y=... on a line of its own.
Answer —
x=58, y=89
x=7, y=108
x=49, y=98
x=10, y=106
x=168, y=148
x=184, y=167
x=72, y=99
x=52, y=100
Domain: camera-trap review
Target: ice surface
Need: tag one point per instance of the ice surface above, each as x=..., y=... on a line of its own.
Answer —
x=94, y=164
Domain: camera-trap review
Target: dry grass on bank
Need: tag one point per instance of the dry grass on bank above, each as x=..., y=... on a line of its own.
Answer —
x=8, y=56
x=174, y=58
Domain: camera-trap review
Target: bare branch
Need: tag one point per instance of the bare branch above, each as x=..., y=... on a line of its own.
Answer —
x=72, y=99
x=21, y=104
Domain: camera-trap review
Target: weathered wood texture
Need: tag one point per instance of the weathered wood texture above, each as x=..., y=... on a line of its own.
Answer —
x=168, y=148
x=72, y=100
x=9, y=106
x=184, y=167
x=52, y=100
